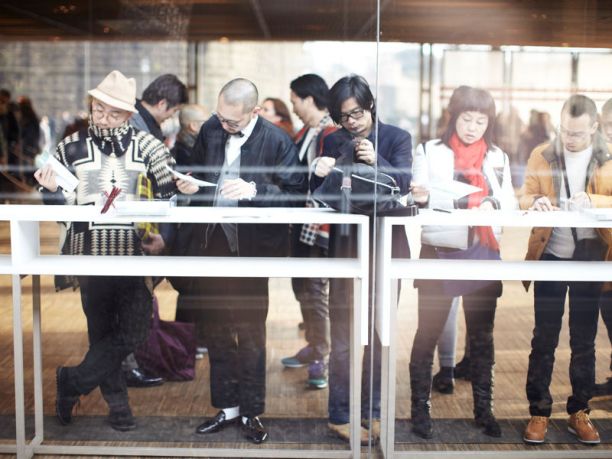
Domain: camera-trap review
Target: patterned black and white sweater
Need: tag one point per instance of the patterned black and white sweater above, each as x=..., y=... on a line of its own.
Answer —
x=101, y=159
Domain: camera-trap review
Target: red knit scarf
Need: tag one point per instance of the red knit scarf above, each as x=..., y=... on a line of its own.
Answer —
x=468, y=162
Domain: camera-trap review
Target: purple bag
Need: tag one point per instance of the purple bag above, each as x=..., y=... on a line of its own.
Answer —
x=460, y=287
x=170, y=349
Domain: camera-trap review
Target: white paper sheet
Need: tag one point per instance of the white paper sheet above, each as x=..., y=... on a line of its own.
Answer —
x=601, y=214
x=452, y=189
x=139, y=208
x=63, y=176
x=189, y=178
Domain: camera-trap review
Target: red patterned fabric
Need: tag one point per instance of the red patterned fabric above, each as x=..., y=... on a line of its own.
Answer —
x=468, y=162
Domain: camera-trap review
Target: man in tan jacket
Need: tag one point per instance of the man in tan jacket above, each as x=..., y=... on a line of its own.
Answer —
x=573, y=172
x=605, y=302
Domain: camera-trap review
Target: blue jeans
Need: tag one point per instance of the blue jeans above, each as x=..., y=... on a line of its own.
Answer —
x=549, y=303
x=340, y=306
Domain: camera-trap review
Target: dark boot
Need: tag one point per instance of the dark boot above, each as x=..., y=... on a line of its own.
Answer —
x=66, y=396
x=443, y=381
x=420, y=386
x=120, y=418
x=463, y=369
x=482, y=388
x=603, y=389
x=119, y=415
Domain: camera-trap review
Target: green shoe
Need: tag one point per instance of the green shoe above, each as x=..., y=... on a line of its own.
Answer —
x=317, y=375
x=299, y=360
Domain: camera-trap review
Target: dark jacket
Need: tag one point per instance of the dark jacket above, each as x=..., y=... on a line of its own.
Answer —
x=144, y=121
x=269, y=159
x=394, y=155
x=183, y=155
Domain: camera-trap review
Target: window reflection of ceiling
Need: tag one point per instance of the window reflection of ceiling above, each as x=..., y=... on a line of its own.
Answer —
x=585, y=23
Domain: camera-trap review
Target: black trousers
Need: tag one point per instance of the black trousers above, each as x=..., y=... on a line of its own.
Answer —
x=605, y=306
x=233, y=317
x=118, y=311
x=479, y=308
x=312, y=293
x=549, y=304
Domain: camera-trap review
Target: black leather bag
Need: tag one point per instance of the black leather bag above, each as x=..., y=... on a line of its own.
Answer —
x=370, y=190
x=590, y=250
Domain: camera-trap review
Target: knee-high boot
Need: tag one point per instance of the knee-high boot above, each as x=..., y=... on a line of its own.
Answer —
x=482, y=384
x=420, y=386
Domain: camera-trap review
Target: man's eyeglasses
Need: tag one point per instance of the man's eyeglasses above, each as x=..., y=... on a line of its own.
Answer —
x=355, y=114
x=98, y=113
x=229, y=123
x=573, y=134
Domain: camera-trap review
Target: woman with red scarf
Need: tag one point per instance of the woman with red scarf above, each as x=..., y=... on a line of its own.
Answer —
x=464, y=153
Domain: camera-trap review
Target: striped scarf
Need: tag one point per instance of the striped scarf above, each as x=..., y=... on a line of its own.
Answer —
x=111, y=140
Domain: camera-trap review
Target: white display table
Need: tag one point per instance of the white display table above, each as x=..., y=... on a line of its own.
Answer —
x=25, y=259
x=389, y=271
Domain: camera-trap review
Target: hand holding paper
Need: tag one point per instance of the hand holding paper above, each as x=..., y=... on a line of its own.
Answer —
x=189, y=178
x=452, y=189
x=54, y=174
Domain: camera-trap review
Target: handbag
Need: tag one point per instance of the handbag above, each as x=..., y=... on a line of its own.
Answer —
x=460, y=287
x=170, y=349
x=589, y=249
x=368, y=191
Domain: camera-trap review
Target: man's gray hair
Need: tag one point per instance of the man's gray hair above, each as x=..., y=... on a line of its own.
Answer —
x=192, y=112
x=240, y=91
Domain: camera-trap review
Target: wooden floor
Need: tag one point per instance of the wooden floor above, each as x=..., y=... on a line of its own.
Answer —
x=65, y=341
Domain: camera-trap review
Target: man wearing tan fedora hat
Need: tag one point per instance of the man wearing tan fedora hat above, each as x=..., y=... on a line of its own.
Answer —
x=111, y=153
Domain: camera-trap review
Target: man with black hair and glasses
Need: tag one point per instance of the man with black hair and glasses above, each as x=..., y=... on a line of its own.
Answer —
x=352, y=106
x=254, y=164
x=572, y=172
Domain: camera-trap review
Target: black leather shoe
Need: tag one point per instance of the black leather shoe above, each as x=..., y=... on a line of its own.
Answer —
x=138, y=378
x=121, y=419
x=65, y=400
x=254, y=430
x=215, y=424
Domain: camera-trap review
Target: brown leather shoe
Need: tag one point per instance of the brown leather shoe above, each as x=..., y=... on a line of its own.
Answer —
x=580, y=425
x=365, y=423
x=535, y=432
x=343, y=431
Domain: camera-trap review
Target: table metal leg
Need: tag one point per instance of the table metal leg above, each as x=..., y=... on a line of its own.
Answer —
x=391, y=373
x=18, y=365
x=38, y=369
x=356, y=358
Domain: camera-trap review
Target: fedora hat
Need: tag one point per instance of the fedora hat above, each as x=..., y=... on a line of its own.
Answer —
x=117, y=91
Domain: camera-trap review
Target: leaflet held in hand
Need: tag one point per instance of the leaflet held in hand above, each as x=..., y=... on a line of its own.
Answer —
x=189, y=178
x=453, y=189
x=63, y=176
